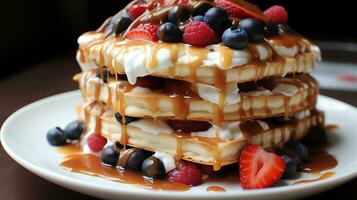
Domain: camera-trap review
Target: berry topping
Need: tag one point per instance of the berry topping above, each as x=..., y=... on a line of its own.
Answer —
x=202, y=9
x=169, y=32
x=174, y=2
x=120, y=25
x=96, y=142
x=74, y=130
x=151, y=82
x=136, y=10
x=56, y=137
x=178, y=14
x=254, y=28
x=198, y=34
x=206, y=169
x=103, y=74
x=271, y=29
x=298, y=148
x=217, y=19
x=188, y=126
x=143, y=32
x=153, y=167
x=186, y=173
x=258, y=168
x=199, y=18
x=315, y=136
x=127, y=120
x=133, y=158
x=291, y=165
x=242, y=10
x=110, y=155
x=277, y=14
x=235, y=38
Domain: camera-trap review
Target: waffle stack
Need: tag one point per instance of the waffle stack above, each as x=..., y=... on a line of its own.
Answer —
x=197, y=103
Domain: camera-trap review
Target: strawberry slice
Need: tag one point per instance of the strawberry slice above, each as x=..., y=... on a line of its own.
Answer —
x=151, y=82
x=136, y=10
x=241, y=9
x=143, y=32
x=188, y=126
x=258, y=168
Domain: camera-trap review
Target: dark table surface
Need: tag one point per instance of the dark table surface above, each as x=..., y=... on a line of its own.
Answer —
x=55, y=76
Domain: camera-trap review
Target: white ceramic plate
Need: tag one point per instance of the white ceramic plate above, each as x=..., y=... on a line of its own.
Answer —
x=23, y=137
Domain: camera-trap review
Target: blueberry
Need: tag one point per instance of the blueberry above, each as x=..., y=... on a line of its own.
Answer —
x=271, y=29
x=110, y=155
x=56, y=137
x=120, y=24
x=133, y=158
x=316, y=136
x=235, y=38
x=169, y=32
x=217, y=19
x=254, y=28
x=103, y=74
x=284, y=28
x=128, y=119
x=74, y=130
x=291, y=166
x=202, y=9
x=178, y=14
x=153, y=167
x=299, y=148
x=198, y=18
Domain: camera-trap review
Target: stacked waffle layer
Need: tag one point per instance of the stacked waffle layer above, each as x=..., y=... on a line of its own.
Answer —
x=197, y=103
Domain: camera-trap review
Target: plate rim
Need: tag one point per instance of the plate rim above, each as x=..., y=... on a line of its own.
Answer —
x=64, y=181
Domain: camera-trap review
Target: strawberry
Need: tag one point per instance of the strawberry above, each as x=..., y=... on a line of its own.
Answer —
x=188, y=126
x=241, y=9
x=150, y=82
x=143, y=32
x=258, y=168
x=277, y=14
x=186, y=173
x=96, y=142
x=198, y=34
x=136, y=10
x=174, y=2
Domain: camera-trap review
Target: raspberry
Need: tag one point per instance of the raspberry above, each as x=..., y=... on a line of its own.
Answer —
x=277, y=14
x=144, y=32
x=136, y=10
x=198, y=34
x=96, y=142
x=186, y=173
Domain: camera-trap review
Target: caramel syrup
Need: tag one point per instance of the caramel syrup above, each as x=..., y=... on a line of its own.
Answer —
x=321, y=177
x=320, y=160
x=215, y=188
x=91, y=165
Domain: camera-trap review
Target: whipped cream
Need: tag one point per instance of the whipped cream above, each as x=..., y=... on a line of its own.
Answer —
x=148, y=125
x=229, y=131
x=212, y=94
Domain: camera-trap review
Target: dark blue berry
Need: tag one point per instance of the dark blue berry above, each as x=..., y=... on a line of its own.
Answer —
x=299, y=148
x=217, y=19
x=74, y=130
x=284, y=28
x=120, y=24
x=128, y=119
x=103, y=74
x=169, y=32
x=153, y=167
x=198, y=18
x=291, y=166
x=56, y=137
x=316, y=136
x=110, y=155
x=254, y=28
x=178, y=14
x=235, y=38
x=133, y=158
x=271, y=29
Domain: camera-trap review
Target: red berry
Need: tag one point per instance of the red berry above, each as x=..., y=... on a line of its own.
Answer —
x=206, y=169
x=136, y=10
x=258, y=168
x=198, y=34
x=186, y=173
x=174, y=2
x=241, y=9
x=96, y=142
x=277, y=14
x=143, y=32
